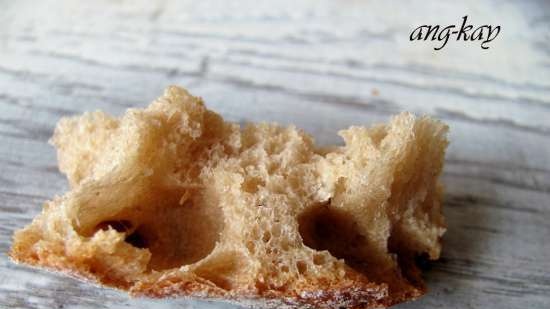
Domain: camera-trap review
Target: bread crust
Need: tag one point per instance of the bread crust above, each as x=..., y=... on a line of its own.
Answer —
x=320, y=296
x=172, y=201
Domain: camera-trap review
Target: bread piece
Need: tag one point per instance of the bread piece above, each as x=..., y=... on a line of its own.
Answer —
x=171, y=200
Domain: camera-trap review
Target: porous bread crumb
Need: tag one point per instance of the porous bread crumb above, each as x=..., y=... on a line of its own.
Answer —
x=172, y=200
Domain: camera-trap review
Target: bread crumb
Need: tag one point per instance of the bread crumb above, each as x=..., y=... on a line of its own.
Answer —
x=172, y=200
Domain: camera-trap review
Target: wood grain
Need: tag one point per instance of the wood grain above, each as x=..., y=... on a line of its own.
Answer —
x=322, y=65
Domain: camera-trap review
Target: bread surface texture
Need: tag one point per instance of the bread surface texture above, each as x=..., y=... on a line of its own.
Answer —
x=173, y=201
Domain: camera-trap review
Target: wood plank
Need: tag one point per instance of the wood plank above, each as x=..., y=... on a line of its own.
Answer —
x=322, y=65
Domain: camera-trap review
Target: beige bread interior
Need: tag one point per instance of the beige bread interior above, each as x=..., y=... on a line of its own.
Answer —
x=173, y=200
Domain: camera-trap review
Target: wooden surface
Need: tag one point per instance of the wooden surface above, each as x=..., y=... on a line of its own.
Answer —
x=323, y=65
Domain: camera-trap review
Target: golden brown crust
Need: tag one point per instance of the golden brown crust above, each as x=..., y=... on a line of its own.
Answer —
x=172, y=201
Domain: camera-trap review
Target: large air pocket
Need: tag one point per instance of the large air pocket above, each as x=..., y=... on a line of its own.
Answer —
x=177, y=227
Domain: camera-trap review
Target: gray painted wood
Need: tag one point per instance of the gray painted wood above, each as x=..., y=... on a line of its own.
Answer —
x=323, y=65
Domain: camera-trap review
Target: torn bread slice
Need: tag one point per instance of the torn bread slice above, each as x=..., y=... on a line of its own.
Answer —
x=172, y=200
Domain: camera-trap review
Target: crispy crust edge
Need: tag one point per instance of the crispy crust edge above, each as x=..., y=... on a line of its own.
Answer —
x=355, y=294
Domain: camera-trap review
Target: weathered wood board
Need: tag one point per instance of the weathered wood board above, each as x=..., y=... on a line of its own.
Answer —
x=322, y=65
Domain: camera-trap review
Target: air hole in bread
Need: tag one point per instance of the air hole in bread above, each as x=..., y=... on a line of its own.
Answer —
x=251, y=247
x=266, y=237
x=137, y=240
x=301, y=266
x=318, y=259
x=176, y=232
x=252, y=184
x=324, y=227
x=182, y=234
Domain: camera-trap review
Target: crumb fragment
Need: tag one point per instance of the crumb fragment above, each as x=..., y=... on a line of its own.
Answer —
x=173, y=200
